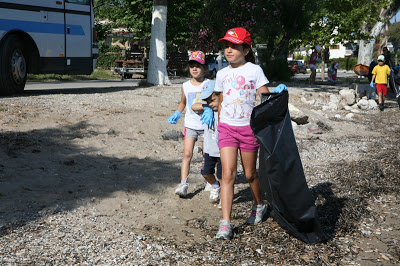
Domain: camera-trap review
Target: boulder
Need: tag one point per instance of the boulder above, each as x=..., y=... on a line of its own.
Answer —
x=172, y=135
x=297, y=116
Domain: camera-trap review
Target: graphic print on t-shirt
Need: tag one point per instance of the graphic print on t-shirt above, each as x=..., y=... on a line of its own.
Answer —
x=193, y=97
x=241, y=96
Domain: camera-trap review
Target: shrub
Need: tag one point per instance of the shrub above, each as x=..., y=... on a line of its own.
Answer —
x=344, y=63
x=107, y=56
x=275, y=69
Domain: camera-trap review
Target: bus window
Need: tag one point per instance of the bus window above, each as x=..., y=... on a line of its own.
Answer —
x=79, y=2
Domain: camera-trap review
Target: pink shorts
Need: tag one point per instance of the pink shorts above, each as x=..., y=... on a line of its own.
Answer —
x=381, y=88
x=241, y=137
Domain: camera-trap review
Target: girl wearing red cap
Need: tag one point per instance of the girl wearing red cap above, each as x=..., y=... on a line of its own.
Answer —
x=239, y=83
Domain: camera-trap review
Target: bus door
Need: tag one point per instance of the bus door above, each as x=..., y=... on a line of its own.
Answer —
x=78, y=37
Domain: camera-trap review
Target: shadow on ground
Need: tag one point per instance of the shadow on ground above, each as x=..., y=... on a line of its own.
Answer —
x=43, y=171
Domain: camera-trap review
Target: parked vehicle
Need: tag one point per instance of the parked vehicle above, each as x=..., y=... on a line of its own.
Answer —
x=297, y=66
x=45, y=37
x=131, y=63
x=212, y=62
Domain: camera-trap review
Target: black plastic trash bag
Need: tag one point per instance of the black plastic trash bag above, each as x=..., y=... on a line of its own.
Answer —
x=281, y=173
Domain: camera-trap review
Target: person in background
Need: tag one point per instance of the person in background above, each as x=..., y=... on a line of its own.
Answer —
x=332, y=72
x=380, y=75
x=388, y=57
x=312, y=63
x=193, y=128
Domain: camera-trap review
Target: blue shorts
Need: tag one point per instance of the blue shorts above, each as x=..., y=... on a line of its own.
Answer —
x=208, y=165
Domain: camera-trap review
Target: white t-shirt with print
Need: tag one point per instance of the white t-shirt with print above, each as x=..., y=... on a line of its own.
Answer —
x=192, y=119
x=239, y=87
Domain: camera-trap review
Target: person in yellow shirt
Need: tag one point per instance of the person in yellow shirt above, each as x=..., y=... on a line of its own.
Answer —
x=380, y=76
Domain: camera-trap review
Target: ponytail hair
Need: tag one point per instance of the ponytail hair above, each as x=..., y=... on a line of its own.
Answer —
x=250, y=55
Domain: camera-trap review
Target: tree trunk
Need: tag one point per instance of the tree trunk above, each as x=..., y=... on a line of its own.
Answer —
x=366, y=48
x=157, y=71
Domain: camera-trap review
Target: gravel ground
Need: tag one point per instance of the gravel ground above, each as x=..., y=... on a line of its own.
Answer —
x=86, y=178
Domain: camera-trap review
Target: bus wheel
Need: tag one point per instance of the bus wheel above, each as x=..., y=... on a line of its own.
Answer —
x=13, y=69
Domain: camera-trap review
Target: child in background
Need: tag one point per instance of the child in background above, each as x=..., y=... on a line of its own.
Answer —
x=211, y=151
x=332, y=72
x=193, y=128
x=239, y=83
x=380, y=76
x=312, y=63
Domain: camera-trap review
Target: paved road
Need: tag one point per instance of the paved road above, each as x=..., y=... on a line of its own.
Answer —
x=58, y=86
x=90, y=84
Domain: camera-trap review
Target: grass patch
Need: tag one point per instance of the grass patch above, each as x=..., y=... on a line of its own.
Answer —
x=98, y=74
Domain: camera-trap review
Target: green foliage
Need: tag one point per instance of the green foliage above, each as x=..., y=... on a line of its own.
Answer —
x=180, y=16
x=135, y=15
x=340, y=21
x=275, y=69
x=107, y=56
x=98, y=74
x=393, y=31
x=345, y=63
x=282, y=25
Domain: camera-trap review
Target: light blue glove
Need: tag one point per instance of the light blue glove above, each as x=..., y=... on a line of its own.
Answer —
x=175, y=117
x=280, y=88
x=208, y=117
x=371, y=84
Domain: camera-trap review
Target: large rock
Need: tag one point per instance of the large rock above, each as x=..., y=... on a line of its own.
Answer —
x=297, y=116
x=363, y=104
x=172, y=135
x=310, y=128
x=348, y=96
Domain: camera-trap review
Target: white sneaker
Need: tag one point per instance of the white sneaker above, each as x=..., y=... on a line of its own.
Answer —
x=182, y=189
x=225, y=230
x=219, y=204
x=214, y=194
x=257, y=214
x=207, y=187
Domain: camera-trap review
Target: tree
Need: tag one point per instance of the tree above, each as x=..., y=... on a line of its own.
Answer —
x=157, y=71
x=135, y=15
x=273, y=22
x=339, y=22
x=181, y=14
x=387, y=10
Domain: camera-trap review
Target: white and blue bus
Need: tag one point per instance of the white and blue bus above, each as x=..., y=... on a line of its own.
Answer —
x=45, y=36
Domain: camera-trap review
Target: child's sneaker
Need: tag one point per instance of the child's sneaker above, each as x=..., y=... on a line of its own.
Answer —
x=225, y=230
x=214, y=194
x=207, y=187
x=257, y=214
x=182, y=189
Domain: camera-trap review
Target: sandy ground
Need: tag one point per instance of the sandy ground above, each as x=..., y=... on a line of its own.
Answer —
x=102, y=151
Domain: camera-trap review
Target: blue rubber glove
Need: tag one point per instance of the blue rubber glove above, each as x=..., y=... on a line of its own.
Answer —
x=371, y=84
x=175, y=117
x=280, y=88
x=208, y=117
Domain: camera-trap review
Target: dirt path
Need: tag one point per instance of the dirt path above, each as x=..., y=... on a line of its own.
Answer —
x=97, y=157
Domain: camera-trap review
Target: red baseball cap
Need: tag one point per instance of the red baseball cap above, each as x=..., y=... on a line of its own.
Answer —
x=237, y=36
